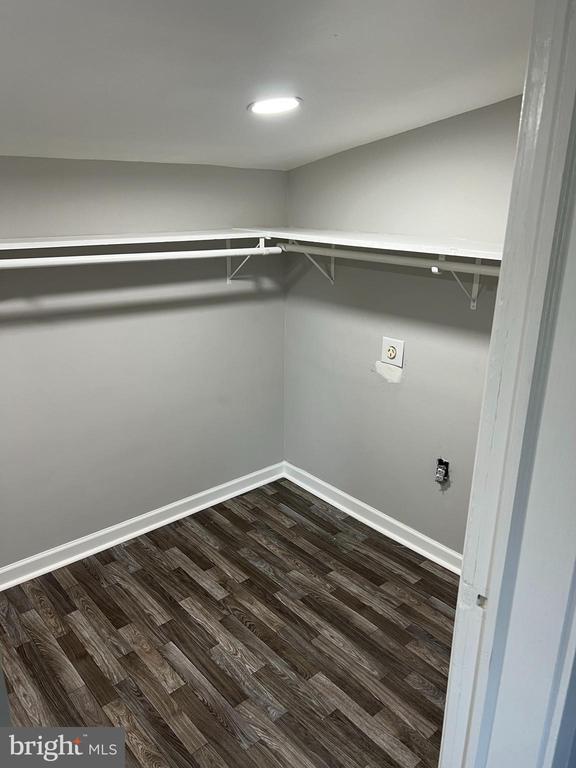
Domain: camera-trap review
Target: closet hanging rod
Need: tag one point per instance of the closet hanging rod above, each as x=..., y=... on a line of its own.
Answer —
x=119, y=258
x=401, y=261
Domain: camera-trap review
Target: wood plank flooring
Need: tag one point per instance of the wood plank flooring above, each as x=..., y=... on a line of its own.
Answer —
x=271, y=631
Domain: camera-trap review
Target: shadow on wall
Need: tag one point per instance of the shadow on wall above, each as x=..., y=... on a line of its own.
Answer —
x=85, y=291
x=414, y=294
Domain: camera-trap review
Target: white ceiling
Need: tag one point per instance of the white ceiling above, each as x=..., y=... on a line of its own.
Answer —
x=169, y=80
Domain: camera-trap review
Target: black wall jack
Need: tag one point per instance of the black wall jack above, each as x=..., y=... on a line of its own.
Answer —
x=442, y=471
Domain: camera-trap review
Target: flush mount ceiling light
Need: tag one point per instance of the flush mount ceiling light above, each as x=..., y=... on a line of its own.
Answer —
x=275, y=106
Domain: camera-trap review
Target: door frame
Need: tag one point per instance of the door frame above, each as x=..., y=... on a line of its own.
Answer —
x=524, y=313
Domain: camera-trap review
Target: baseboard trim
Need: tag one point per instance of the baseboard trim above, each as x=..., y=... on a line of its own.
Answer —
x=64, y=554
x=381, y=522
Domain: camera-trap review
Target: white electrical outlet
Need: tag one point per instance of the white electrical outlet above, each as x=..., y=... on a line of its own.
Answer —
x=393, y=351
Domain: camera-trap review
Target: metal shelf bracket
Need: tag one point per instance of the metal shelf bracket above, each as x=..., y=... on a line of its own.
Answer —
x=231, y=272
x=474, y=292
x=328, y=273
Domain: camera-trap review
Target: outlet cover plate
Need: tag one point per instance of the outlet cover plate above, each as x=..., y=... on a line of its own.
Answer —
x=393, y=351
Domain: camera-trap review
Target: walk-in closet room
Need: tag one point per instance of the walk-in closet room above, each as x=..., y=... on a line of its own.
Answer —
x=280, y=304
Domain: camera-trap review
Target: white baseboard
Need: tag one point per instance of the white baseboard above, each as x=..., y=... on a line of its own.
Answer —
x=381, y=522
x=64, y=554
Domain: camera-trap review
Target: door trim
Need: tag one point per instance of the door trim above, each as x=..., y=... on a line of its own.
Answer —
x=524, y=313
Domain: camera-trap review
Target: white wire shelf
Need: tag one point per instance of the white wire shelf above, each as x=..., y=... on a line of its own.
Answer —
x=472, y=258
x=148, y=238
x=457, y=247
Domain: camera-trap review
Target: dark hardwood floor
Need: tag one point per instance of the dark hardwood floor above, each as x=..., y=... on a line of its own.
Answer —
x=269, y=631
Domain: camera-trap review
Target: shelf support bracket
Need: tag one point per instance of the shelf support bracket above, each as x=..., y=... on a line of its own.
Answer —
x=328, y=273
x=228, y=263
x=475, y=288
x=472, y=295
x=230, y=272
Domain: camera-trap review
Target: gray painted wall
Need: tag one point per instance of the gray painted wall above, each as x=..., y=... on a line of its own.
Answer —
x=343, y=422
x=450, y=178
x=372, y=439
x=40, y=196
x=127, y=387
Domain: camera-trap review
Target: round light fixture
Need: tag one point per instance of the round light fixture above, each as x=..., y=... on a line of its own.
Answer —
x=275, y=106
